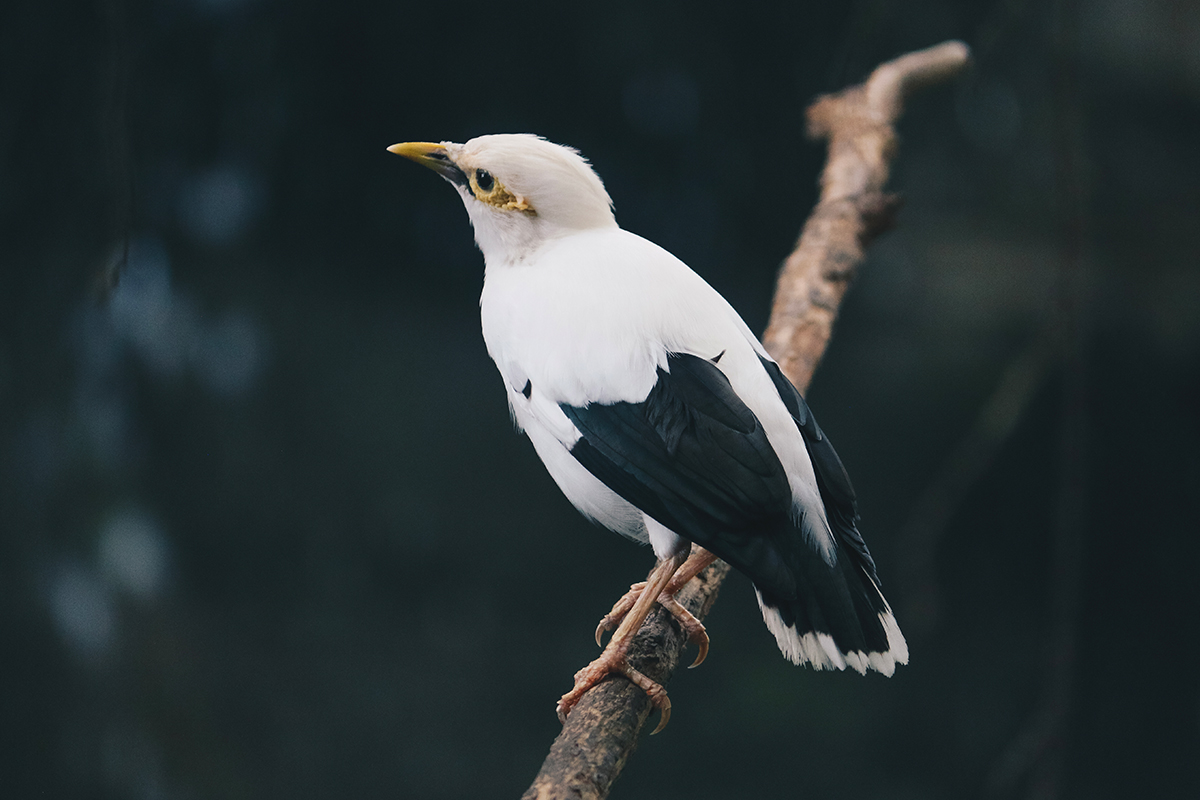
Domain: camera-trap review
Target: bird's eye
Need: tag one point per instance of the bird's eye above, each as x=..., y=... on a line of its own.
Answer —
x=484, y=180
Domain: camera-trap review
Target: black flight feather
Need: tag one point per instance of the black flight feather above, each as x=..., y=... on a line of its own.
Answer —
x=841, y=506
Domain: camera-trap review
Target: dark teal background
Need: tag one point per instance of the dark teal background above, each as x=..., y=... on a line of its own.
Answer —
x=265, y=529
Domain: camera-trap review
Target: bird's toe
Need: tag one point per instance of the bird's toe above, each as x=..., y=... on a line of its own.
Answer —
x=622, y=607
x=693, y=627
x=601, y=668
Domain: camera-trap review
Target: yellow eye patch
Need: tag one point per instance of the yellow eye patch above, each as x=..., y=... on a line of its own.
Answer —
x=487, y=189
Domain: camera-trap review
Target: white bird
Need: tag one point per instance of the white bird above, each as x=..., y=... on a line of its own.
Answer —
x=659, y=414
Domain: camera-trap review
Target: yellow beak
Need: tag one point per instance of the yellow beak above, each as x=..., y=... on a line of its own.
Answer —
x=431, y=155
x=425, y=153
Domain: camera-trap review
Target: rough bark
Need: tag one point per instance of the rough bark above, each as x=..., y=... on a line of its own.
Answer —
x=602, y=731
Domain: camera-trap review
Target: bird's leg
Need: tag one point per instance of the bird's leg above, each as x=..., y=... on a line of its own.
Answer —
x=697, y=562
x=613, y=659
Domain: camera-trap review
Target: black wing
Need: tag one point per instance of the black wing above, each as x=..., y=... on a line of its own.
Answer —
x=691, y=455
x=695, y=458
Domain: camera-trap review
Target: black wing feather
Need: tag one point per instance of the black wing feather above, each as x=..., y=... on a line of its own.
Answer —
x=833, y=482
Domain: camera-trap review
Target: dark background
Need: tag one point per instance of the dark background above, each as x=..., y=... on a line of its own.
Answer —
x=265, y=530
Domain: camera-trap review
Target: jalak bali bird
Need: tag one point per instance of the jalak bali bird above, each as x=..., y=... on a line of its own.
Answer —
x=659, y=414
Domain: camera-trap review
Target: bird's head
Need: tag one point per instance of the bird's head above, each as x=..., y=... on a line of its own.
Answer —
x=519, y=189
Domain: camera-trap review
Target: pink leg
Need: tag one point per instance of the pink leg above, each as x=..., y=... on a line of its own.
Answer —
x=613, y=659
x=697, y=562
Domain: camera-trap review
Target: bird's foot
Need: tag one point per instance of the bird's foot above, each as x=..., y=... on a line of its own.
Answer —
x=613, y=660
x=613, y=618
x=632, y=612
x=693, y=627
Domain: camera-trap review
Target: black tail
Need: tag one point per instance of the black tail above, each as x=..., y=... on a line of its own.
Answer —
x=831, y=616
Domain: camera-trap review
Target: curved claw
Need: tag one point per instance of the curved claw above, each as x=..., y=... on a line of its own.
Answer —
x=585, y=679
x=664, y=716
x=654, y=691
x=702, y=654
x=619, y=610
x=693, y=627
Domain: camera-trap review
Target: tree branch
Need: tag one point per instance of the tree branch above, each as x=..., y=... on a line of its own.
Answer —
x=602, y=730
x=853, y=209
